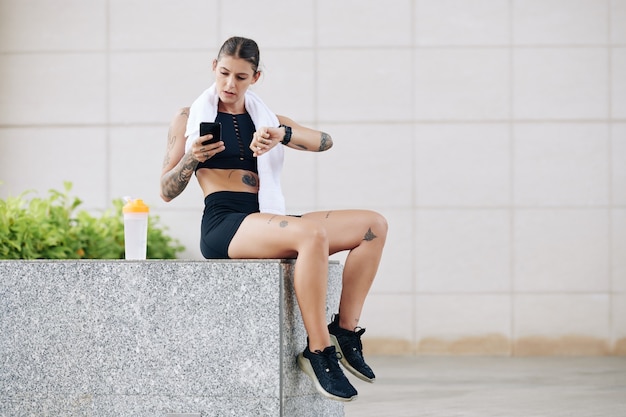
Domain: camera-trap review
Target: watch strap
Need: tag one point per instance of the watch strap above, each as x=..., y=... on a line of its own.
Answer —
x=287, y=137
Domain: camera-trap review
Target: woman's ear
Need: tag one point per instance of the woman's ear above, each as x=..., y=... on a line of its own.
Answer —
x=256, y=77
x=214, y=65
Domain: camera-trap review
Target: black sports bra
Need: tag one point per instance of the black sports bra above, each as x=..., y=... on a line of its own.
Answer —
x=237, y=132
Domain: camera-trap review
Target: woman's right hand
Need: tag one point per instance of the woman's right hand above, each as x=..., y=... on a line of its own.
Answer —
x=203, y=152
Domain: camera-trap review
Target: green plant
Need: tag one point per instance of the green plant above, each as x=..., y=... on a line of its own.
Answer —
x=52, y=228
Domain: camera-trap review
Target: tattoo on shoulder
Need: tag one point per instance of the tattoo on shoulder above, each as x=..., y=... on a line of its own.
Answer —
x=369, y=236
x=325, y=142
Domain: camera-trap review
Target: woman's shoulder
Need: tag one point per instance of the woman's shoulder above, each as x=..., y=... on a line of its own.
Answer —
x=182, y=112
x=180, y=117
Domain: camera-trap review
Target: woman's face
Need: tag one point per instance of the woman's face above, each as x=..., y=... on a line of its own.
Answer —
x=233, y=76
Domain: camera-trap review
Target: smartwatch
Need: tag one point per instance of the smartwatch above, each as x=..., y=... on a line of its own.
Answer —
x=287, y=137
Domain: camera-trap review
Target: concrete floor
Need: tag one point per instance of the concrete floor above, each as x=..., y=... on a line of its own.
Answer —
x=499, y=387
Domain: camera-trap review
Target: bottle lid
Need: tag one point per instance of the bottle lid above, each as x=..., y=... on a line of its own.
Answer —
x=135, y=206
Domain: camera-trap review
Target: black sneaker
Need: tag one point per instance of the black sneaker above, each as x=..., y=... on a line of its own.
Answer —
x=323, y=369
x=348, y=343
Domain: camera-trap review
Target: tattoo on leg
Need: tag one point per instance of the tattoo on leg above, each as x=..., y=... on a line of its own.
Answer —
x=328, y=214
x=284, y=223
x=369, y=236
x=353, y=324
x=270, y=220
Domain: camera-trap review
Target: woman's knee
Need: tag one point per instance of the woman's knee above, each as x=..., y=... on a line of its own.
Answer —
x=312, y=234
x=379, y=224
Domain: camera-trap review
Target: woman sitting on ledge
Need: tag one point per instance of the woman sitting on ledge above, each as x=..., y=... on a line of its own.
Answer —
x=244, y=212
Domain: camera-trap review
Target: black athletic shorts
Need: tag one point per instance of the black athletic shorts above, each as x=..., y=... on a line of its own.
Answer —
x=223, y=213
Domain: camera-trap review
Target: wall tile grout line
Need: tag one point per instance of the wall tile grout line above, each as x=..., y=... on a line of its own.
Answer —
x=107, y=103
x=512, y=209
x=611, y=337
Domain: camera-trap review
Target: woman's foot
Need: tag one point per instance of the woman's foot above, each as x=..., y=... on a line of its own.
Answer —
x=323, y=369
x=348, y=344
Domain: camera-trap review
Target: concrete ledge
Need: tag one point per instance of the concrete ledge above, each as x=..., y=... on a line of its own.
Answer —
x=152, y=338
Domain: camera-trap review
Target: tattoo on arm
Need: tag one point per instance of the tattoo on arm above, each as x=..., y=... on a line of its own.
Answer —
x=325, y=142
x=185, y=173
x=170, y=145
x=369, y=236
x=174, y=182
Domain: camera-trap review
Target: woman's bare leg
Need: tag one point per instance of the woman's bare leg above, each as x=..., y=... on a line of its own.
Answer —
x=272, y=236
x=363, y=233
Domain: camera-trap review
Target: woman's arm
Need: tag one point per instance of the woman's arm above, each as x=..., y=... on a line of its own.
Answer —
x=178, y=166
x=306, y=139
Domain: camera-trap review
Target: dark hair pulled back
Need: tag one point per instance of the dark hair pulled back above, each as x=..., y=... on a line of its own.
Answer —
x=243, y=48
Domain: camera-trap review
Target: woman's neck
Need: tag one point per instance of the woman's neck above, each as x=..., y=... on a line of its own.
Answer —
x=233, y=108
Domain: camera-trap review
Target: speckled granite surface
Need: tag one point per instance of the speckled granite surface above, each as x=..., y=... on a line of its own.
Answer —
x=151, y=338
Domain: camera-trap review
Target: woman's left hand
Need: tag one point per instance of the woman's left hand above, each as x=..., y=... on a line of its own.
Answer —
x=265, y=139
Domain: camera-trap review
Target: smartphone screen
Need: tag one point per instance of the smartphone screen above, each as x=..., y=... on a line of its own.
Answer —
x=214, y=129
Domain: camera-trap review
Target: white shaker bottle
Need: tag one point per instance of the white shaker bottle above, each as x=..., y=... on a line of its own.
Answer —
x=135, y=228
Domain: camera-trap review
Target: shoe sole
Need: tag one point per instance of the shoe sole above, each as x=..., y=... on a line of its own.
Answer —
x=306, y=367
x=344, y=362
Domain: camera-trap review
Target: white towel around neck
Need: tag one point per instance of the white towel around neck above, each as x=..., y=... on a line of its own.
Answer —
x=269, y=165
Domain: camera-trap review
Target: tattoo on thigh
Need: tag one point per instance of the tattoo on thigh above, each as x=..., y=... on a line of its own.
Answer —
x=284, y=223
x=369, y=236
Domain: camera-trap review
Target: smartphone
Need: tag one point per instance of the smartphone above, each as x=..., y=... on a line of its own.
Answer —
x=214, y=129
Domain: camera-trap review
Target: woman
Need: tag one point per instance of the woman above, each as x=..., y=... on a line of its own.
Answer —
x=233, y=226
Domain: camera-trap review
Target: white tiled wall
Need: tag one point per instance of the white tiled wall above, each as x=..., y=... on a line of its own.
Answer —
x=568, y=22
x=490, y=133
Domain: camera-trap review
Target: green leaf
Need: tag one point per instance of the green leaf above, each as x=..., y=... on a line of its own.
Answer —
x=51, y=228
